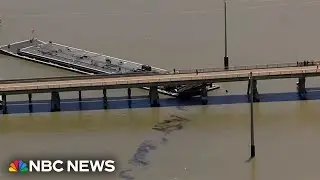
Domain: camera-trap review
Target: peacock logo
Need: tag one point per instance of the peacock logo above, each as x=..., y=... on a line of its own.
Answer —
x=18, y=166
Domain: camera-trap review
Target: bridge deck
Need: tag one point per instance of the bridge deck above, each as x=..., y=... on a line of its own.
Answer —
x=164, y=79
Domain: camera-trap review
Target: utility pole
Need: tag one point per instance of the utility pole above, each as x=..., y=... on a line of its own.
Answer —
x=252, y=146
x=226, y=58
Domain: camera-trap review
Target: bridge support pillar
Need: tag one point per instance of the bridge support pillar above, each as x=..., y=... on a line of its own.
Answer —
x=301, y=87
x=204, y=95
x=105, y=99
x=30, y=102
x=253, y=88
x=4, y=104
x=226, y=63
x=80, y=96
x=30, y=98
x=129, y=93
x=129, y=98
x=154, y=96
x=55, y=102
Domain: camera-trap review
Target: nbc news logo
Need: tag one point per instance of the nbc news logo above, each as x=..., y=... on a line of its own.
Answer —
x=59, y=166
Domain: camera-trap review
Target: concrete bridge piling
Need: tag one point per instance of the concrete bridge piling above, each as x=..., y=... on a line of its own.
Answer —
x=129, y=98
x=301, y=87
x=253, y=88
x=4, y=104
x=80, y=99
x=154, y=96
x=55, y=102
x=30, y=98
x=80, y=96
x=129, y=93
x=30, y=103
x=105, y=98
x=204, y=95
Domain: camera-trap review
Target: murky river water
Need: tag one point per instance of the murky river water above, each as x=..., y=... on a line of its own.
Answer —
x=172, y=34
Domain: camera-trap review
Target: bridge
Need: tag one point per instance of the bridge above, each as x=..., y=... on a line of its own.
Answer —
x=154, y=80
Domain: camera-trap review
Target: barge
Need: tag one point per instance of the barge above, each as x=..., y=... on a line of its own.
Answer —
x=86, y=62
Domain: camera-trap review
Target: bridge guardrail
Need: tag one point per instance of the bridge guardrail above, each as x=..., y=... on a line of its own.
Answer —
x=146, y=73
x=237, y=68
x=46, y=85
x=72, y=77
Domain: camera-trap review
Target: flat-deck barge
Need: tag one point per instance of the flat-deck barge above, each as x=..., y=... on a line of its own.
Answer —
x=86, y=62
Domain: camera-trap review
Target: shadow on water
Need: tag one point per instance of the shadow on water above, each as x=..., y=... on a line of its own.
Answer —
x=143, y=102
x=139, y=159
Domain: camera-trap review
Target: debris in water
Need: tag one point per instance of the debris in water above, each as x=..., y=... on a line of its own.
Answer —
x=123, y=174
x=139, y=158
x=169, y=125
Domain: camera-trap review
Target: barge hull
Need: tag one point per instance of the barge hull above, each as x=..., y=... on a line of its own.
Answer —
x=84, y=62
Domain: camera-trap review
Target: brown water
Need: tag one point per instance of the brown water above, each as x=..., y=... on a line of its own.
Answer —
x=172, y=34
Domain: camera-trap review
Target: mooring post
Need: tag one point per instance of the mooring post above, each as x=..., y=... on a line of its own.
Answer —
x=4, y=104
x=55, y=101
x=105, y=99
x=80, y=96
x=154, y=96
x=252, y=146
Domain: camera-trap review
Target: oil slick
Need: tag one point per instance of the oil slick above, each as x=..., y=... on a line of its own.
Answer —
x=139, y=159
x=173, y=124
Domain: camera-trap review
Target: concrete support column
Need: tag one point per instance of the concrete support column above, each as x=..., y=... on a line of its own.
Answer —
x=301, y=87
x=80, y=99
x=129, y=98
x=80, y=96
x=30, y=98
x=129, y=93
x=154, y=96
x=105, y=99
x=4, y=104
x=30, y=103
x=253, y=88
x=204, y=95
x=55, y=101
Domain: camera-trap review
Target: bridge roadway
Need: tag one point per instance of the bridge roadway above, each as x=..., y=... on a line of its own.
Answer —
x=80, y=83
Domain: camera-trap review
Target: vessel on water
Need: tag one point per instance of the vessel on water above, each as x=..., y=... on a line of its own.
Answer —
x=86, y=62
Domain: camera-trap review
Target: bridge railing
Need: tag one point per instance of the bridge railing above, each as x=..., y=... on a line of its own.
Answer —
x=237, y=68
x=142, y=80
x=73, y=77
x=146, y=73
